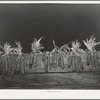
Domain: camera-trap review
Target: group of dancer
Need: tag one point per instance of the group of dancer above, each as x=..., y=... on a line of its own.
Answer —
x=12, y=59
x=70, y=55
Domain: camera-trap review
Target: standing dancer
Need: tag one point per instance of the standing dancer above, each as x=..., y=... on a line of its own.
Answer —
x=35, y=47
x=5, y=58
x=62, y=55
x=92, y=56
x=21, y=63
x=46, y=59
x=55, y=55
x=74, y=59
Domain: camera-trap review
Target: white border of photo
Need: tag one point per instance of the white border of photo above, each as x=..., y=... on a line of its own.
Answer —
x=49, y=94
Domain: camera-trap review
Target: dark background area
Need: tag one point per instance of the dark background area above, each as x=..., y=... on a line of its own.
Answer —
x=63, y=23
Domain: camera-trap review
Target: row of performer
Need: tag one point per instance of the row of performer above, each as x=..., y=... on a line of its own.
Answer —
x=12, y=60
x=60, y=59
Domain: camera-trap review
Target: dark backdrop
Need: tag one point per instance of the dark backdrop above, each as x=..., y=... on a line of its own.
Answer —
x=63, y=23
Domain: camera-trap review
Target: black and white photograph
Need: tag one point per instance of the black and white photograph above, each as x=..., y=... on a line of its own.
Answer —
x=50, y=46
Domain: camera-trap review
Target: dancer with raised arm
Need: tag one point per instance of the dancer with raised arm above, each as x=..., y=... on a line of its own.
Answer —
x=35, y=47
x=92, y=55
x=21, y=63
x=5, y=59
x=75, y=59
